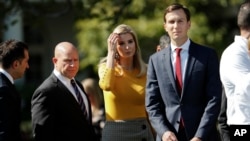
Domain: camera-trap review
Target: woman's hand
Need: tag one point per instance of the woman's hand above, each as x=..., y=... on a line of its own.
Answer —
x=112, y=42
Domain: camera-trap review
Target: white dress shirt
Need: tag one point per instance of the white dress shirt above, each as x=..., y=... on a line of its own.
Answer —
x=184, y=57
x=235, y=77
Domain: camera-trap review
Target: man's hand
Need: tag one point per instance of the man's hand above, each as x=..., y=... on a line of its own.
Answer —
x=195, y=139
x=169, y=136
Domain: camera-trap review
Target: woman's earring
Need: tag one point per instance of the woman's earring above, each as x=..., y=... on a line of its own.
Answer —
x=117, y=56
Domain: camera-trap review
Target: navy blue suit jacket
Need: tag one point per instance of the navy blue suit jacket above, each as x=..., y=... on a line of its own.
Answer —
x=10, y=111
x=199, y=104
x=57, y=116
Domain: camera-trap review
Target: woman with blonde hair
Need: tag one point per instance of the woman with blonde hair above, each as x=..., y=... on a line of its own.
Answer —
x=122, y=76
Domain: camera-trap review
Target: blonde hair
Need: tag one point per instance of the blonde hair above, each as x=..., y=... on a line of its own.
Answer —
x=138, y=62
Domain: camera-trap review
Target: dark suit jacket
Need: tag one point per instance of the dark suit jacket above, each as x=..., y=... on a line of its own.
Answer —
x=57, y=116
x=199, y=104
x=10, y=111
x=222, y=120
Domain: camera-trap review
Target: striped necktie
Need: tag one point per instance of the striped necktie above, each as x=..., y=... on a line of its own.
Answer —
x=79, y=97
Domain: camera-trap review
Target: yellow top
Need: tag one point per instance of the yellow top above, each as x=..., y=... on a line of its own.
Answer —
x=124, y=93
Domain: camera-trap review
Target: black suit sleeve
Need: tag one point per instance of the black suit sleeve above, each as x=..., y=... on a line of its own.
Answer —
x=42, y=116
x=222, y=120
x=10, y=113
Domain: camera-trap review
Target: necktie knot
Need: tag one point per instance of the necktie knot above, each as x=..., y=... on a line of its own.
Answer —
x=178, y=50
x=73, y=83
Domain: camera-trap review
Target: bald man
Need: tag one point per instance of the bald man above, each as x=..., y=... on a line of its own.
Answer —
x=55, y=108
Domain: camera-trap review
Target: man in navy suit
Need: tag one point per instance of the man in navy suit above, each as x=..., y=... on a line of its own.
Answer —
x=14, y=58
x=55, y=107
x=187, y=111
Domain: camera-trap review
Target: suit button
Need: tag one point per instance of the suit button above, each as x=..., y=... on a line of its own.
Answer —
x=143, y=126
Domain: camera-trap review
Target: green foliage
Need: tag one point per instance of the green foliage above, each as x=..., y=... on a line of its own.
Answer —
x=210, y=20
x=92, y=35
x=213, y=22
x=93, y=32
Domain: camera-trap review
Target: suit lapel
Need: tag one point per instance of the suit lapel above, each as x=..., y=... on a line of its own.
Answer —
x=69, y=96
x=190, y=64
x=166, y=59
x=66, y=93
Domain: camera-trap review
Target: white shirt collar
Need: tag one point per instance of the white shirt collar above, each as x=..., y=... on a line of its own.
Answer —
x=7, y=75
x=184, y=46
x=63, y=79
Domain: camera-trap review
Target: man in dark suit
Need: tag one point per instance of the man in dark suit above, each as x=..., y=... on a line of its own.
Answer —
x=187, y=109
x=14, y=58
x=57, y=113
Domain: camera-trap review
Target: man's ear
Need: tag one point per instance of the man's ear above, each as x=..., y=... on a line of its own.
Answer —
x=15, y=64
x=54, y=60
x=189, y=24
x=164, y=26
